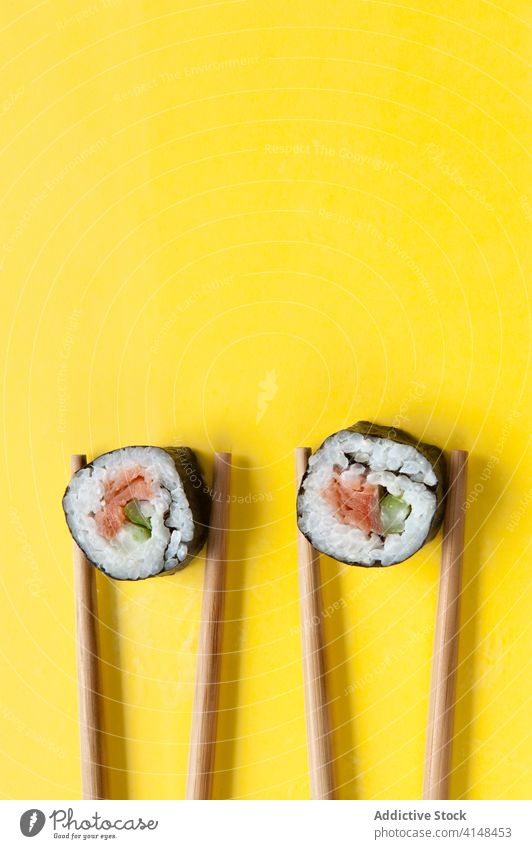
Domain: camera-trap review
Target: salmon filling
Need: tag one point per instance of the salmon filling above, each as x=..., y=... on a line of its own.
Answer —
x=130, y=485
x=355, y=502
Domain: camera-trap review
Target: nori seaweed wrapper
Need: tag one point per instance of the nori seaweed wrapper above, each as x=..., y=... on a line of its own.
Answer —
x=198, y=496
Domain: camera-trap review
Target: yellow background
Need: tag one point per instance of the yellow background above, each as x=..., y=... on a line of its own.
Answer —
x=243, y=225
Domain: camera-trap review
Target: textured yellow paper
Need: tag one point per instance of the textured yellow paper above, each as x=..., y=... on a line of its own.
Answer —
x=241, y=226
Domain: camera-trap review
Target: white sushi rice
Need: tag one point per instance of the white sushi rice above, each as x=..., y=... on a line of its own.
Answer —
x=172, y=524
x=402, y=469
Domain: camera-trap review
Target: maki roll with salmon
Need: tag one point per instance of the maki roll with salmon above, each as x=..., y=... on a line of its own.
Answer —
x=372, y=495
x=139, y=511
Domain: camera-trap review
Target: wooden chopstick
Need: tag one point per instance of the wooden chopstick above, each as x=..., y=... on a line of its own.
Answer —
x=204, y=711
x=442, y=685
x=316, y=707
x=87, y=659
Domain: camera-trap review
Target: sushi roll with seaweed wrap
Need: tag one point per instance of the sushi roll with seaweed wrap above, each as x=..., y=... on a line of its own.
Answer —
x=139, y=511
x=372, y=495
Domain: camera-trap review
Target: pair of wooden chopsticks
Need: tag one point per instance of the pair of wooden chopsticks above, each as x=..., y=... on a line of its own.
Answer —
x=441, y=700
x=203, y=732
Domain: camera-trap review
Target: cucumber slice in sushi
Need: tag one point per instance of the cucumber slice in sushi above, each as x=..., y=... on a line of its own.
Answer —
x=372, y=495
x=133, y=513
x=139, y=511
x=394, y=511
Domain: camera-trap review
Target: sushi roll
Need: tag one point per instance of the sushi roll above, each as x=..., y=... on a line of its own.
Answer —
x=372, y=495
x=139, y=511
